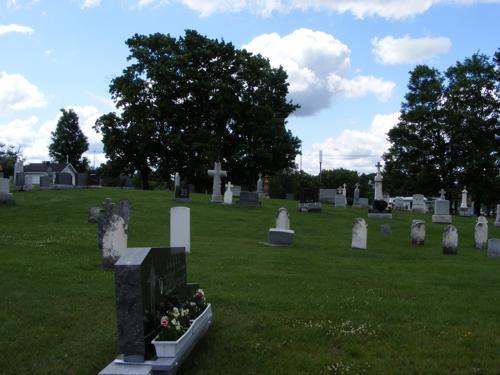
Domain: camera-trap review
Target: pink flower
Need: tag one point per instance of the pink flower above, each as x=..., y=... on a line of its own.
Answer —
x=164, y=322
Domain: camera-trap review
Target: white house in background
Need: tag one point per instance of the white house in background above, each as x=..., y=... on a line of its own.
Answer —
x=36, y=170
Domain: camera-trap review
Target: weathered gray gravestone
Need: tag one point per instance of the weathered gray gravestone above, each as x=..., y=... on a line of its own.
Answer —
x=363, y=202
x=19, y=181
x=355, y=200
x=5, y=195
x=113, y=231
x=46, y=182
x=450, y=240
x=480, y=234
x=144, y=279
x=386, y=229
x=236, y=189
x=417, y=232
x=249, y=199
x=418, y=204
x=359, y=233
x=494, y=247
x=94, y=214
x=340, y=201
x=441, y=212
x=123, y=210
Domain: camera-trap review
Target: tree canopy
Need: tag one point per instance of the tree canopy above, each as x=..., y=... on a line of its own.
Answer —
x=188, y=102
x=68, y=142
x=449, y=132
x=8, y=157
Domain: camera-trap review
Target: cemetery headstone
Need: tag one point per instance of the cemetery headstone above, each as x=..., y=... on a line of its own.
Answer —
x=481, y=234
x=123, y=210
x=260, y=185
x=5, y=195
x=327, y=195
x=463, y=204
x=379, y=208
x=450, y=240
x=418, y=204
x=355, y=200
x=28, y=183
x=144, y=277
x=180, y=228
x=481, y=219
x=82, y=179
x=19, y=181
x=266, y=187
x=497, y=220
x=64, y=179
x=386, y=229
x=217, y=173
x=281, y=234
x=249, y=199
x=177, y=180
x=399, y=204
x=46, y=182
x=417, y=233
x=94, y=180
x=494, y=247
x=18, y=168
x=236, y=189
x=114, y=241
x=363, y=202
x=359, y=233
x=309, y=201
x=340, y=201
x=112, y=234
x=441, y=210
x=228, y=194
x=182, y=194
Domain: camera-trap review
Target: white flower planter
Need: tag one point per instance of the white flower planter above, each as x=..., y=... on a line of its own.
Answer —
x=171, y=349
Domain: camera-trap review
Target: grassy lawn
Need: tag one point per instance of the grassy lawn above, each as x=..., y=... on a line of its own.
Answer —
x=315, y=308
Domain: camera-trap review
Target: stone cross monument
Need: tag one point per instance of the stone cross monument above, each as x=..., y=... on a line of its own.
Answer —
x=217, y=173
x=378, y=184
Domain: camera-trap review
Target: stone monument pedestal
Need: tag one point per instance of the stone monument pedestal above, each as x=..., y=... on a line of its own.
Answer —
x=281, y=236
x=441, y=219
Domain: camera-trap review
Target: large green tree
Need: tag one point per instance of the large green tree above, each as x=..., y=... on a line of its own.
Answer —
x=8, y=156
x=449, y=132
x=188, y=102
x=68, y=142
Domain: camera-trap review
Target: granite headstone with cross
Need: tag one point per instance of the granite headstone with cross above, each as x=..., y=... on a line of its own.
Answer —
x=441, y=210
x=379, y=209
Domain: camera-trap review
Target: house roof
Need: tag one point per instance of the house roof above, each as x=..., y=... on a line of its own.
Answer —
x=43, y=167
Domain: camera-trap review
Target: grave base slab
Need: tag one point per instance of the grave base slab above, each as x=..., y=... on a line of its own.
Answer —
x=441, y=219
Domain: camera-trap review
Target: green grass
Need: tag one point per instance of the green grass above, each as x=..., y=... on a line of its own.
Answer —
x=315, y=308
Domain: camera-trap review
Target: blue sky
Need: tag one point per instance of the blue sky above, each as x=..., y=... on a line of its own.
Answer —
x=347, y=60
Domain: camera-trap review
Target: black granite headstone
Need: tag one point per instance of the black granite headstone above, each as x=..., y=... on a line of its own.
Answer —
x=249, y=199
x=182, y=194
x=145, y=279
x=64, y=179
x=82, y=179
x=309, y=196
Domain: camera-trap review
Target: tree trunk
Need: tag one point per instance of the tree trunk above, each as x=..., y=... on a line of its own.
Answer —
x=145, y=179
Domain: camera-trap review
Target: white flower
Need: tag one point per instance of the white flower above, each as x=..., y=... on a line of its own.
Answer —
x=175, y=312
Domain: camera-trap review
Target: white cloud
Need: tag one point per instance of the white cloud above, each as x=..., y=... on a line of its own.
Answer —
x=407, y=50
x=90, y=4
x=389, y=9
x=352, y=149
x=17, y=93
x=34, y=137
x=13, y=28
x=317, y=65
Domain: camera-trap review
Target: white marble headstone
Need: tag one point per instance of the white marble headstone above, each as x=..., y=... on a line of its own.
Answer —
x=450, y=240
x=180, y=228
x=282, y=219
x=4, y=185
x=417, y=232
x=480, y=234
x=359, y=233
x=228, y=194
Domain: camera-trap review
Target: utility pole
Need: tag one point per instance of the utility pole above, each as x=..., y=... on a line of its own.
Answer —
x=320, y=162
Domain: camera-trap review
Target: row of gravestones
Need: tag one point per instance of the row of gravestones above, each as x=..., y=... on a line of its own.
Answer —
x=339, y=197
x=24, y=181
x=147, y=280
x=418, y=234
